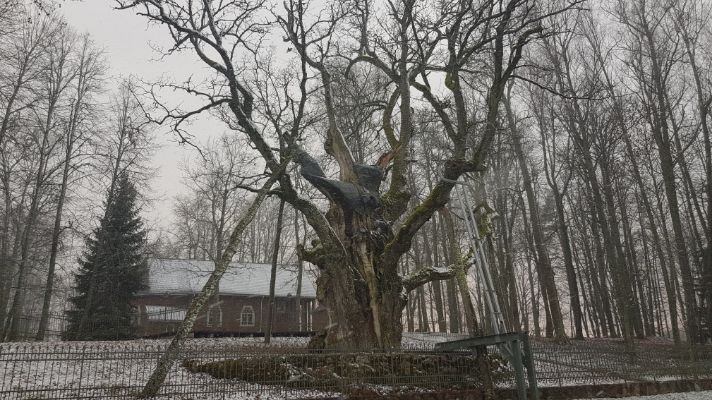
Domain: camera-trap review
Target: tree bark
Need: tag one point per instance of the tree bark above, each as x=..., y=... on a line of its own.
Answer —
x=271, y=306
x=167, y=359
x=300, y=273
x=460, y=274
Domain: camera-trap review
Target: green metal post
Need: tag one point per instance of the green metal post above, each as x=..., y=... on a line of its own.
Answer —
x=519, y=369
x=529, y=363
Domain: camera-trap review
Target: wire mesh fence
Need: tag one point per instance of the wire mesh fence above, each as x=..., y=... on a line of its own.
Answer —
x=26, y=327
x=607, y=361
x=243, y=368
x=225, y=369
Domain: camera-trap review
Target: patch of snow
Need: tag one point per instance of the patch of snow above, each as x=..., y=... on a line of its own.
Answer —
x=427, y=340
x=94, y=369
x=704, y=395
x=119, y=369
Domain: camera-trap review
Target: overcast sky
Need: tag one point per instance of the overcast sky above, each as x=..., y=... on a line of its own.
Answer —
x=129, y=42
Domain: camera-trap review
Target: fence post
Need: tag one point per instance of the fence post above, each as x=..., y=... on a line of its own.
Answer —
x=529, y=364
x=557, y=368
x=81, y=371
x=518, y=369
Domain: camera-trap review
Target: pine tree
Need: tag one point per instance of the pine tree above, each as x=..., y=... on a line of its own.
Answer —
x=111, y=271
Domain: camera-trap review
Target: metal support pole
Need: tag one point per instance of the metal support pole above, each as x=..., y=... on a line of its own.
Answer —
x=529, y=364
x=518, y=369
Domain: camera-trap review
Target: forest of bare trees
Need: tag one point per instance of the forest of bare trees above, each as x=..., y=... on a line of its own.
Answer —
x=584, y=128
x=62, y=137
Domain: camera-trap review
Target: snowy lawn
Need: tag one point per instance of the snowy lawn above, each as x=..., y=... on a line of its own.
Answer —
x=86, y=370
x=705, y=395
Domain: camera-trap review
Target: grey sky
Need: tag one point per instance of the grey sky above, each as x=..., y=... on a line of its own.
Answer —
x=128, y=42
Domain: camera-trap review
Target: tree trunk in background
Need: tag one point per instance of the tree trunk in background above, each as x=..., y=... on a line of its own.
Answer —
x=300, y=273
x=30, y=48
x=506, y=226
x=460, y=274
x=7, y=264
x=423, y=311
x=666, y=165
x=622, y=284
x=87, y=73
x=652, y=67
x=547, y=273
x=13, y=330
x=56, y=231
x=432, y=256
x=453, y=303
x=271, y=309
x=657, y=243
x=704, y=100
x=419, y=293
x=564, y=240
x=640, y=313
x=531, y=254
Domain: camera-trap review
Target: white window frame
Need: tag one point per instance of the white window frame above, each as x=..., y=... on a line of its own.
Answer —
x=210, y=323
x=156, y=313
x=247, y=310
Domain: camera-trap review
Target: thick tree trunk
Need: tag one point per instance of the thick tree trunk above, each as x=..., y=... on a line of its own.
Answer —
x=351, y=320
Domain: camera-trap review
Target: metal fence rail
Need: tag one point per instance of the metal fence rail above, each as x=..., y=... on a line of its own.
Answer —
x=230, y=369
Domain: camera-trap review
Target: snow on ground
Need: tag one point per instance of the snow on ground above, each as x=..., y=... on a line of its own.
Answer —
x=418, y=339
x=705, y=395
x=85, y=370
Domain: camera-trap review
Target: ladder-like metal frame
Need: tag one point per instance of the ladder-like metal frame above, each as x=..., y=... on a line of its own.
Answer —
x=482, y=268
x=508, y=343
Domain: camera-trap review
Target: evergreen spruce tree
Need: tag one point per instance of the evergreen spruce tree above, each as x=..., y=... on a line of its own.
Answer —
x=111, y=271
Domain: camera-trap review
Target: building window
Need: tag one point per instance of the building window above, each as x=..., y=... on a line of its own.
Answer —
x=247, y=316
x=214, y=317
x=164, y=313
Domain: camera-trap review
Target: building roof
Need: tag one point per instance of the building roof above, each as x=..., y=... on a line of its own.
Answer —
x=167, y=276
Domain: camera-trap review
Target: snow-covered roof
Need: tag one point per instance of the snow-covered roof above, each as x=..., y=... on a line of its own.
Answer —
x=167, y=276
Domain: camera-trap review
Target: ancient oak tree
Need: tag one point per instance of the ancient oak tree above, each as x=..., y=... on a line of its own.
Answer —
x=454, y=57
